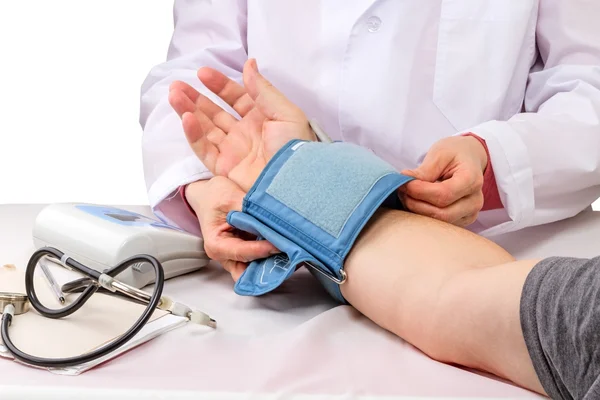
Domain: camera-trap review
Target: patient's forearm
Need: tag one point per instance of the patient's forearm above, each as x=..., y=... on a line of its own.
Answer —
x=447, y=291
x=408, y=258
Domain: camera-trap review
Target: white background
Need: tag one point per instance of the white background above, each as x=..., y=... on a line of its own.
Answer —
x=70, y=76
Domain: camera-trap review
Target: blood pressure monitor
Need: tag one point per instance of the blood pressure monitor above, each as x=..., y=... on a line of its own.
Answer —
x=102, y=237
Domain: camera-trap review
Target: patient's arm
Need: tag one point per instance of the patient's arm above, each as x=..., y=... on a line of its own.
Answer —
x=450, y=293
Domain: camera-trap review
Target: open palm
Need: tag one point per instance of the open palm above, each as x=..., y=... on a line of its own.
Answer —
x=238, y=149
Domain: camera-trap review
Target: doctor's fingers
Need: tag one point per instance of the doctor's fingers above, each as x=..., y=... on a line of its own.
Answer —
x=217, y=115
x=268, y=99
x=462, y=212
x=196, y=132
x=187, y=89
x=464, y=182
x=227, y=89
x=235, y=268
x=237, y=249
x=184, y=98
x=180, y=102
x=468, y=220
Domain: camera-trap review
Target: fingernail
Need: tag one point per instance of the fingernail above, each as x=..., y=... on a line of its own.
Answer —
x=274, y=252
x=254, y=65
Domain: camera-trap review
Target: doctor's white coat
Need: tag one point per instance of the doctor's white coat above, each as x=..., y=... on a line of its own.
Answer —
x=396, y=76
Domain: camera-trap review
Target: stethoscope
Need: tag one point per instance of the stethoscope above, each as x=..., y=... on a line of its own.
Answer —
x=12, y=304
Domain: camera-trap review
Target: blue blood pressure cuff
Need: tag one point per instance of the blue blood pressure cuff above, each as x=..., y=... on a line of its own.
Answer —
x=311, y=201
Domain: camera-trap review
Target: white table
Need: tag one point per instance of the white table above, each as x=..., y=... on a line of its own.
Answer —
x=291, y=342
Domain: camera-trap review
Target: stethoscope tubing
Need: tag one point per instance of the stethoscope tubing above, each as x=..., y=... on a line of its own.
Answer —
x=83, y=297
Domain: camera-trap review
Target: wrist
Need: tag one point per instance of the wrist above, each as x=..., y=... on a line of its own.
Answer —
x=479, y=149
x=491, y=195
x=194, y=192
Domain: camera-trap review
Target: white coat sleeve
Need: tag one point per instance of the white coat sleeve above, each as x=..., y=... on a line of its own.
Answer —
x=547, y=159
x=206, y=33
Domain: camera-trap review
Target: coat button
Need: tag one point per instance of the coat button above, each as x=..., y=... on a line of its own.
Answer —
x=373, y=24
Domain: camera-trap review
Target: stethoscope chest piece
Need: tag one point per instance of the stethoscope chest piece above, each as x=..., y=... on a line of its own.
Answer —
x=19, y=302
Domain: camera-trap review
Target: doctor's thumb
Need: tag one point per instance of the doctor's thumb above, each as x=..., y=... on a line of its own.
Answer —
x=270, y=101
x=434, y=165
x=429, y=171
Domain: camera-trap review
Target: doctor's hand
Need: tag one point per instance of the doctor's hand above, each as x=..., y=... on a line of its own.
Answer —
x=449, y=182
x=211, y=200
x=238, y=149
